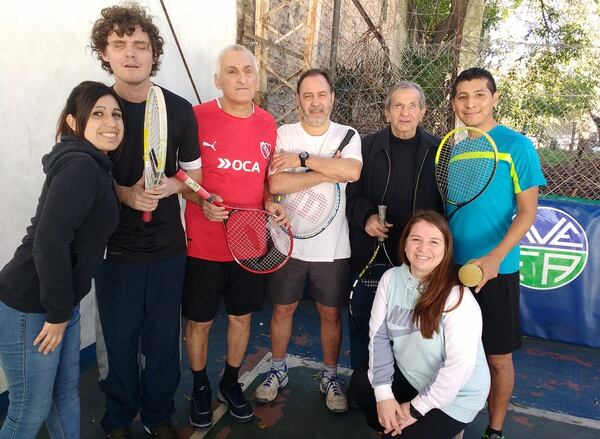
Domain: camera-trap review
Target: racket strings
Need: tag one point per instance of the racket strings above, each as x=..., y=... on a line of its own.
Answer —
x=308, y=204
x=256, y=241
x=465, y=167
x=152, y=126
x=373, y=275
x=310, y=211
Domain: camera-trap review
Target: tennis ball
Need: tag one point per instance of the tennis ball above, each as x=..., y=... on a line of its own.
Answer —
x=470, y=275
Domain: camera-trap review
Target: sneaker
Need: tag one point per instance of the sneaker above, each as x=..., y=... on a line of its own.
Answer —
x=239, y=407
x=201, y=407
x=162, y=432
x=492, y=436
x=267, y=391
x=334, y=395
x=118, y=433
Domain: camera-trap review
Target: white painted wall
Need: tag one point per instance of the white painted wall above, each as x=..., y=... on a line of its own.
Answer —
x=44, y=47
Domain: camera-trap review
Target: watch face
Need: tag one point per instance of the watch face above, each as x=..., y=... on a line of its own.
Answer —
x=303, y=155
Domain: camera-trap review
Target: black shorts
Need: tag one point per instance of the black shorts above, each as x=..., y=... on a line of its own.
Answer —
x=499, y=303
x=206, y=282
x=328, y=282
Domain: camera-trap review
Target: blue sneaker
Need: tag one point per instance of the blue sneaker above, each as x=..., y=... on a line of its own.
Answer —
x=201, y=407
x=239, y=407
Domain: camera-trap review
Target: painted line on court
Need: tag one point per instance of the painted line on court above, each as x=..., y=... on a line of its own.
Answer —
x=554, y=416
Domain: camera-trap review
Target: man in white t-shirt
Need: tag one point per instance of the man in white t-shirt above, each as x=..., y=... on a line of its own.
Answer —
x=322, y=259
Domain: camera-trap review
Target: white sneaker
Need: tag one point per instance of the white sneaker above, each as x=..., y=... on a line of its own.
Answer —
x=334, y=395
x=267, y=390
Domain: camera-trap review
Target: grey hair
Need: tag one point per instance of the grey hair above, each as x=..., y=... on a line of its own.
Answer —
x=405, y=85
x=236, y=48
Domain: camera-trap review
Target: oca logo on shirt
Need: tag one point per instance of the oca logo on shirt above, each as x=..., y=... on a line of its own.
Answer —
x=238, y=165
x=554, y=251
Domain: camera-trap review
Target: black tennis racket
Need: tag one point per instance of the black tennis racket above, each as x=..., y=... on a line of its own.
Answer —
x=365, y=284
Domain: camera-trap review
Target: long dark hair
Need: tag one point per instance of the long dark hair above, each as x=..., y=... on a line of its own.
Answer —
x=79, y=104
x=436, y=286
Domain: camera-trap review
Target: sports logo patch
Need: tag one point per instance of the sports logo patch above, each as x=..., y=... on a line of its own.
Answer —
x=265, y=149
x=210, y=145
x=238, y=165
x=554, y=251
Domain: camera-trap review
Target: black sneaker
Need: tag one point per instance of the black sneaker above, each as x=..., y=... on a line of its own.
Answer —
x=239, y=407
x=118, y=433
x=201, y=407
x=162, y=432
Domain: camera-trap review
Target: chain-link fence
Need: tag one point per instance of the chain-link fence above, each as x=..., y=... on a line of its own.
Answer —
x=380, y=44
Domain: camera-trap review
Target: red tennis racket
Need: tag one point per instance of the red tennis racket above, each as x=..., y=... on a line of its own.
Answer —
x=256, y=241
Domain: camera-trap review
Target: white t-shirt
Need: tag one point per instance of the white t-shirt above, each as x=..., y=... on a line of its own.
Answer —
x=333, y=242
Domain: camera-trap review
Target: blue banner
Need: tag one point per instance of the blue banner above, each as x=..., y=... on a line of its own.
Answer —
x=560, y=273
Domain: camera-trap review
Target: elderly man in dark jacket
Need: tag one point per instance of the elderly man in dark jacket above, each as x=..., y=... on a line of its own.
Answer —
x=398, y=171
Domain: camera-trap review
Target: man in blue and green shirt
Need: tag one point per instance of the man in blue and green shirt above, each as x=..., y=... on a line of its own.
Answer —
x=489, y=229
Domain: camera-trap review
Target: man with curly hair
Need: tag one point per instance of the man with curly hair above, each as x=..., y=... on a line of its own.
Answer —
x=139, y=284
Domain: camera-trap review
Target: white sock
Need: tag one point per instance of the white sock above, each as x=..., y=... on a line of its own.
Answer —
x=279, y=364
x=329, y=371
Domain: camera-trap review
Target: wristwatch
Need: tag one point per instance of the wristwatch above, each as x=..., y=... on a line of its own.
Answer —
x=303, y=157
x=414, y=412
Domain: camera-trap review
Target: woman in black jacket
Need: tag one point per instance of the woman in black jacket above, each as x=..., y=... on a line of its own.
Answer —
x=51, y=271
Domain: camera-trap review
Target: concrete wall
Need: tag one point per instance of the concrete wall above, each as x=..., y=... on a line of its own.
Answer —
x=45, y=53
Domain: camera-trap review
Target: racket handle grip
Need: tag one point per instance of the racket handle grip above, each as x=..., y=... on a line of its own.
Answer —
x=381, y=210
x=182, y=176
x=147, y=217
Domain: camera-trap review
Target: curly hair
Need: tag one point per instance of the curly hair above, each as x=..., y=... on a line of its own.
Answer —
x=123, y=20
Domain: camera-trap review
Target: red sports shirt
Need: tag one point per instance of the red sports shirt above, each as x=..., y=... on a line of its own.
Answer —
x=235, y=155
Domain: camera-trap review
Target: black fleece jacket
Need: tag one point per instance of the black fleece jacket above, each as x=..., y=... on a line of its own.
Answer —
x=363, y=196
x=77, y=212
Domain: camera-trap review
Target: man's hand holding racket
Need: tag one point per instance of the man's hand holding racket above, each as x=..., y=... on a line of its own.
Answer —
x=374, y=228
x=137, y=197
x=214, y=212
x=167, y=187
x=277, y=209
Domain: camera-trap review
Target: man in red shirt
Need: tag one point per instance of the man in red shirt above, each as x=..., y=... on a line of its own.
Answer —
x=237, y=140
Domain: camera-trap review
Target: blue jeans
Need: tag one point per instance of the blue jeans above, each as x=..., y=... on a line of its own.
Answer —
x=40, y=387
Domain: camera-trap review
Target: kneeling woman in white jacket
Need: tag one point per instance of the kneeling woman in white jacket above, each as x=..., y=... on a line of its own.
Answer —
x=427, y=374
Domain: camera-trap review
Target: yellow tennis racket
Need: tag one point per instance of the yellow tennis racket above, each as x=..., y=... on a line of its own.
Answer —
x=155, y=141
x=465, y=164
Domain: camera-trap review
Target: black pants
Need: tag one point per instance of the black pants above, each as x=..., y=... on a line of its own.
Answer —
x=138, y=307
x=434, y=425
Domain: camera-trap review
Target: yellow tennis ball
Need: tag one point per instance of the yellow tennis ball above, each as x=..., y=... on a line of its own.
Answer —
x=470, y=275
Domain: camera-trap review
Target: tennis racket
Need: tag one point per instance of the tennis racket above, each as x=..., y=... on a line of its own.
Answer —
x=465, y=164
x=257, y=243
x=311, y=210
x=155, y=141
x=365, y=285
